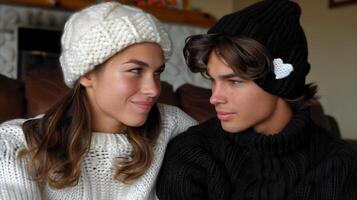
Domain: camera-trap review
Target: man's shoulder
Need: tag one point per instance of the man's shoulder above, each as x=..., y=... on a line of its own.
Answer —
x=197, y=145
x=334, y=146
x=341, y=150
x=199, y=138
x=203, y=131
x=338, y=154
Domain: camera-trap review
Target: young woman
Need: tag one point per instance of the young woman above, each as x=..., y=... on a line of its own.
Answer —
x=263, y=144
x=106, y=138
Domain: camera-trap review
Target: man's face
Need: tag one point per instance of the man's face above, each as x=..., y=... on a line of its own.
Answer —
x=240, y=104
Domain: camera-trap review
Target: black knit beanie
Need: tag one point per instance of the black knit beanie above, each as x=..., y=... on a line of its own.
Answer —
x=275, y=24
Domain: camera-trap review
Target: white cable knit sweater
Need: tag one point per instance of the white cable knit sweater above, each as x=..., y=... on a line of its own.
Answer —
x=96, y=180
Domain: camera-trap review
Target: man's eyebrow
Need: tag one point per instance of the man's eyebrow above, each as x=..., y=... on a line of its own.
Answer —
x=228, y=76
x=224, y=76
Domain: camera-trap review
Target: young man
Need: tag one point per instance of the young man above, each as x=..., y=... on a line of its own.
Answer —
x=263, y=143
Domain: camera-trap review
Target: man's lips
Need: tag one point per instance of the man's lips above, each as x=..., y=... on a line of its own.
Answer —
x=224, y=116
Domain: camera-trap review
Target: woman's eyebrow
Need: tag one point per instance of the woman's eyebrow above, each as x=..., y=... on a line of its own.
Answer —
x=138, y=62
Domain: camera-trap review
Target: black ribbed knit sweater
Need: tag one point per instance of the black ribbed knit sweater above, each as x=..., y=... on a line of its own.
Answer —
x=302, y=162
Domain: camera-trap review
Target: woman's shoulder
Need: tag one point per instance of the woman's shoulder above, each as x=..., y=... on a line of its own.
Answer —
x=174, y=116
x=169, y=111
x=11, y=134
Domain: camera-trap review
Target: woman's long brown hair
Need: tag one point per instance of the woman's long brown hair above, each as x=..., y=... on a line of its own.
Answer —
x=59, y=141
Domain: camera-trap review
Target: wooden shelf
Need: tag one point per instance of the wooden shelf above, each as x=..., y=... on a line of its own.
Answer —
x=56, y=4
x=194, y=18
x=74, y=4
x=40, y=3
x=187, y=17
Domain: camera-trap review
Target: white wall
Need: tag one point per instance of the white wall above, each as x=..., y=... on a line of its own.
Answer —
x=213, y=7
x=239, y=4
x=332, y=40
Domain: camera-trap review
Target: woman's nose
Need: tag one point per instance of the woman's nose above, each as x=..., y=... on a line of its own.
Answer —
x=152, y=87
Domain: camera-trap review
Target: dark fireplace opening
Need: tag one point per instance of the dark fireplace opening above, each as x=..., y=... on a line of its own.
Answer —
x=38, y=48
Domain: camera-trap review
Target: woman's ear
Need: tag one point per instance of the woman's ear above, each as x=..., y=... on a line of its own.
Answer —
x=86, y=80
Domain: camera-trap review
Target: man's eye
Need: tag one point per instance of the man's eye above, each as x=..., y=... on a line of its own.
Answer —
x=135, y=71
x=235, y=82
x=206, y=75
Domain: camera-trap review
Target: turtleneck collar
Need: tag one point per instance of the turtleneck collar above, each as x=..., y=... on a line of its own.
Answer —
x=291, y=137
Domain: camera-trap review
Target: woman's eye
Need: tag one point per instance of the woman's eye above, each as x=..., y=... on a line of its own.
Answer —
x=206, y=75
x=159, y=71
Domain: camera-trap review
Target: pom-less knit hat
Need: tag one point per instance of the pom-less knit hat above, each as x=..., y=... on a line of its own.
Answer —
x=93, y=35
x=275, y=24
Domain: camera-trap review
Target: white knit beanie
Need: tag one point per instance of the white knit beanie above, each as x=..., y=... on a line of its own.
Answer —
x=93, y=35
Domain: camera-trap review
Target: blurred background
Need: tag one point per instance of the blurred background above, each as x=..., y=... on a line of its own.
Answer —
x=330, y=26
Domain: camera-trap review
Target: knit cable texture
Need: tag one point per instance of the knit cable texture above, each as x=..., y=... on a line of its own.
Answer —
x=94, y=34
x=303, y=162
x=96, y=180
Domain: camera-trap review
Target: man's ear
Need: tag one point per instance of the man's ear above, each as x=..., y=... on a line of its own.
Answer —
x=86, y=80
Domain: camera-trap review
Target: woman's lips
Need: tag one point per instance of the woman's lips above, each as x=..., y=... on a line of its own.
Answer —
x=144, y=105
x=225, y=116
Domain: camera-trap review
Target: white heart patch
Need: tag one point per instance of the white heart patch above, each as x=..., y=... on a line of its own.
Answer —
x=281, y=69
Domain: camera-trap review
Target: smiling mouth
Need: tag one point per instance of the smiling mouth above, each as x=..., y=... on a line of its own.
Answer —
x=225, y=116
x=144, y=105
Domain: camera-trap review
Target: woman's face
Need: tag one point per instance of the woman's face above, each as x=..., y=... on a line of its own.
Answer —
x=124, y=89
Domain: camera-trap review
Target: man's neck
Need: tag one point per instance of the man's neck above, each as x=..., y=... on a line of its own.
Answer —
x=277, y=120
